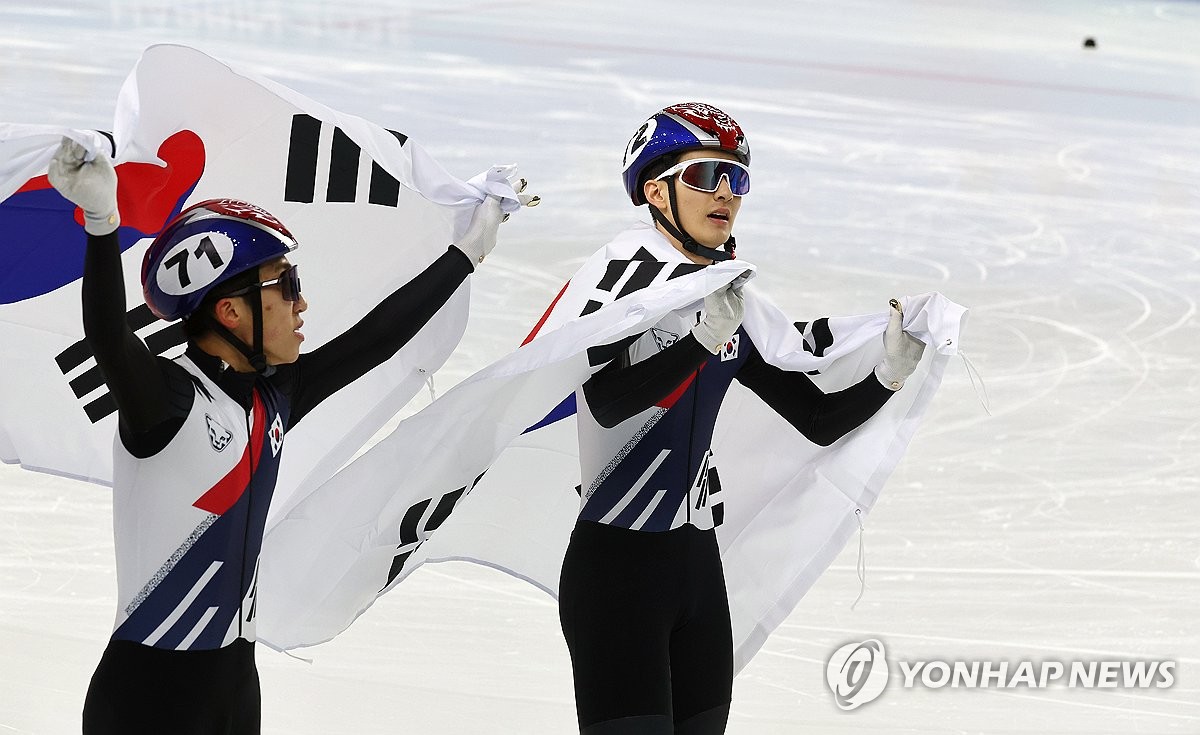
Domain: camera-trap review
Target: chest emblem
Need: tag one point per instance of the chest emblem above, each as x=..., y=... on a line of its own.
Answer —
x=218, y=435
x=276, y=435
x=663, y=338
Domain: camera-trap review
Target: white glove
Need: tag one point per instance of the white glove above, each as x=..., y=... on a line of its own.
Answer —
x=902, y=351
x=90, y=185
x=723, y=310
x=480, y=237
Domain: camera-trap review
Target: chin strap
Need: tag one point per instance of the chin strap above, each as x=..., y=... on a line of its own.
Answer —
x=254, y=354
x=689, y=243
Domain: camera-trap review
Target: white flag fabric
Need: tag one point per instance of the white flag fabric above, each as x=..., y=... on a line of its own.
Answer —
x=369, y=207
x=488, y=472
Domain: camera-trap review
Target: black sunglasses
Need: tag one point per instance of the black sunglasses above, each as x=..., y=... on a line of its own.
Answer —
x=288, y=280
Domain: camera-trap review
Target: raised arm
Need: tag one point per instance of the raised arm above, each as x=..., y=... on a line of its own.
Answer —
x=396, y=320
x=376, y=337
x=131, y=372
x=620, y=389
x=821, y=417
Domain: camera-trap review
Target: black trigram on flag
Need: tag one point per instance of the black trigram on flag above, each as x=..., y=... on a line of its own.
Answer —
x=817, y=338
x=418, y=523
x=344, y=159
x=80, y=354
x=622, y=278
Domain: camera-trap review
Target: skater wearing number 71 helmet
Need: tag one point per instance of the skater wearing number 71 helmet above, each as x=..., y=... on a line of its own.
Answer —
x=200, y=437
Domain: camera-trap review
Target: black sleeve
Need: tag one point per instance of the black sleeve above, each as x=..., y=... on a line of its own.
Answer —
x=822, y=418
x=620, y=390
x=148, y=401
x=377, y=336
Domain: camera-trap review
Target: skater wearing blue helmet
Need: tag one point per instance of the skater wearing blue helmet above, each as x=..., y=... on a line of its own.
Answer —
x=201, y=436
x=642, y=596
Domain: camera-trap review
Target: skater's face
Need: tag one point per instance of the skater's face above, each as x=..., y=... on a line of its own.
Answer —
x=706, y=216
x=280, y=315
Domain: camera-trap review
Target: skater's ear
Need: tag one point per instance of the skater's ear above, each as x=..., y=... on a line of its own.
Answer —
x=230, y=312
x=655, y=191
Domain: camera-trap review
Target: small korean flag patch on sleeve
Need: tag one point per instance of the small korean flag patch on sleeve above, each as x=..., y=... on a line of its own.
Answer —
x=276, y=435
x=730, y=350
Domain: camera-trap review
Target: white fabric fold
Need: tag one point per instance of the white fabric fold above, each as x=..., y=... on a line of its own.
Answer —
x=463, y=478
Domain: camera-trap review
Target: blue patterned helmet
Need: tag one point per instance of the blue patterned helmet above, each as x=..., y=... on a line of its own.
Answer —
x=206, y=245
x=684, y=127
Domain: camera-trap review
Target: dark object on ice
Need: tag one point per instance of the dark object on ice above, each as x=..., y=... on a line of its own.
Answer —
x=1089, y=42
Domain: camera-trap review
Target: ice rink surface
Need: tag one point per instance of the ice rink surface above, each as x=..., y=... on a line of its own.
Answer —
x=969, y=147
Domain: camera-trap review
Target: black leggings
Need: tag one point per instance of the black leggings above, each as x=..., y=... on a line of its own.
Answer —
x=646, y=619
x=139, y=689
